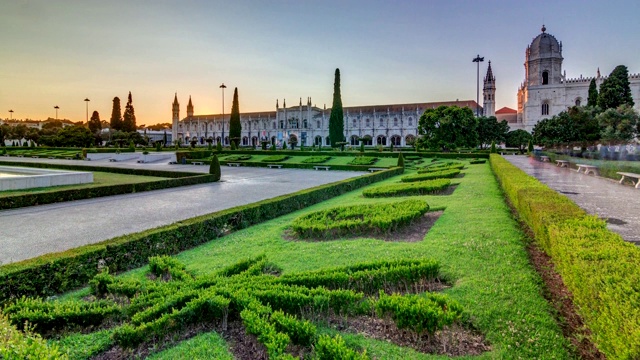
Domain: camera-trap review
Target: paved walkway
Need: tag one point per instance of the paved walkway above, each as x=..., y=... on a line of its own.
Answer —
x=618, y=204
x=37, y=230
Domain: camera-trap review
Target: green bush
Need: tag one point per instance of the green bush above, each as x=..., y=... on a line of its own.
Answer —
x=358, y=219
x=328, y=348
x=214, y=168
x=477, y=161
x=400, y=160
x=364, y=160
x=236, y=158
x=275, y=158
x=493, y=148
x=598, y=267
x=15, y=344
x=316, y=159
x=59, y=272
x=444, y=174
x=408, y=189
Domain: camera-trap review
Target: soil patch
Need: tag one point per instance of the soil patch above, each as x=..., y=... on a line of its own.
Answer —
x=414, y=232
x=451, y=341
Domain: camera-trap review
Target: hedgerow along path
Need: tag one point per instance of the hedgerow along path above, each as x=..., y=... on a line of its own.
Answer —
x=478, y=244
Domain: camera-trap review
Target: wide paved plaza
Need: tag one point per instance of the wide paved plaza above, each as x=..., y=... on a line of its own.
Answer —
x=33, y=231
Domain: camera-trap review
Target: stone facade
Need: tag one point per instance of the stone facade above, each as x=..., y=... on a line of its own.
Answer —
x=309, y=125
x=546, y=90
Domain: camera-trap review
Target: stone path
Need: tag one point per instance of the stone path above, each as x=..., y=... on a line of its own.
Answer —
x=34, y=231
x=618, y=204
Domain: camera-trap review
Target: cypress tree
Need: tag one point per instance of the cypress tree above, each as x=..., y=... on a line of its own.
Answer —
x=235, y=128
x=129, y=122
x=592, y=100
x=214, y=168
x=361, y=146
x=530, y=147
x=615, y=89
x=219, y=146
x=400, y=160
x=493, y=148
x=116, y=115
x=164, y=143
x=336, y=120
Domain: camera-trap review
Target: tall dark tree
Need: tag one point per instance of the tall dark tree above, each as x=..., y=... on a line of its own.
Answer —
x=116, y=115
x=235, y=128
x=489, y=129
x=336, y=120
x=129, y=122
x=615, y=89
x=447, y=128
x=592, y=100
x=618, y=125
x=95, y=125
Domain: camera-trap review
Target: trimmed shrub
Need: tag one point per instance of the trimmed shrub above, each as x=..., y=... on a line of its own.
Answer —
x=358, y=219
x=275, y=158
x=214, y=168
x=219, y=147
x=316, y=159
x=328, y=348
x=444, y=174
x=477, y=161
x=493, y=148
x=364, y=160
x=408, y=189
x=236, y=157
x=400, y=160
x=15, y=344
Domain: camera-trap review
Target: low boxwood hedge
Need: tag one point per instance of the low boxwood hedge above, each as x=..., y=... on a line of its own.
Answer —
x=598, y=267
x=275, y=158
x=358, y=219
x=236, y=157
x=443, y=174
x=316, y=159
x=59, y=272
x=364, y=160
x=408, y=189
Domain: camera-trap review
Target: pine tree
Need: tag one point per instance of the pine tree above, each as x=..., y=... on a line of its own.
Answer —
x=593, y=94
x=95, y=125
x=400, y=160
x=336, y=120
x=219, y=146
x=615, y=89
x=493, y=147
x=129, y=122
x=235, y=128
x=530, y=146
x=116, y=115
x=214, y=168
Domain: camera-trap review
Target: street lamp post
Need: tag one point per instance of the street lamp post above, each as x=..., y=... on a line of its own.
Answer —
x=86, y=100
x=56, y=107
x=222, y=87
x=478, y=60
x=10, y=114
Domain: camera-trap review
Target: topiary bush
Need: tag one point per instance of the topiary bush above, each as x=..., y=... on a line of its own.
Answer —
x=219, y=146
x=275, y=158
x=358, y=219
x=444, y=174
x=363, y=160
x=400, y=160
x=316, y=159
x=214, y=168
x=408, y=189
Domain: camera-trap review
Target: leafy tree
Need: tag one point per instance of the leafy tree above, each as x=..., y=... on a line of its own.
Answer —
x=129, y=122
x=490, y=130
x=33, y=135
x=615, y=89
x=235, y=127
x=5, y=133
x=116, y=115
x=560, y=129
x=95, y=125
x=336, y=120
x=214, y=168
x=447, y=128
x=19, y=132
x=518, y=138
x=618, y=125
x=73, y=136
x=584, y=121
x=592, y=100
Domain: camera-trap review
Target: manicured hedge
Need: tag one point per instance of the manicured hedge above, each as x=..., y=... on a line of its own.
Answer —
x=316, y=159
x=598, y=267
x=176, y=179
x=363, y=160
x=443, y=174
x=56, y=273
x=275, y=158
x=286, y=165
x=408, y=189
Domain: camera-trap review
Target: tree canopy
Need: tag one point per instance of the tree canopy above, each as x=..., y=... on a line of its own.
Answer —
x=615, y=90
x=447, y=128
x=116, y=115
x=592, y=100
x=235, y=127
x=336, y=120
x=518, y=138
x=489, y=129
x=618, y=125
x=129, y=121
x=95, y=125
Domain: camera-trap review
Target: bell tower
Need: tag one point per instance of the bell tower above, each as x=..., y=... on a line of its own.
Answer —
x=176, y=118
x=489, y=93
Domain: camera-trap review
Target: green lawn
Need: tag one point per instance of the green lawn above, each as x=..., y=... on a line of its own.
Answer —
x=99, y=179
x=479, y=244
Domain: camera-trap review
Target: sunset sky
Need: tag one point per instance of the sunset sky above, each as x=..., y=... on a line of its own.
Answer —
x=389, y=52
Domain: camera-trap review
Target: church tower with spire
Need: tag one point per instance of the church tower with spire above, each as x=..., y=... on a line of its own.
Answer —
x=489, y=93
x=176, y=118
x=190, y=108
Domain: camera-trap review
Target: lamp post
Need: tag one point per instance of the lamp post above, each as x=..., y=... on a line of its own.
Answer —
x=222, y=87
x=86, y=100
x=10, y=114
x=56, y=107
x=478, y=60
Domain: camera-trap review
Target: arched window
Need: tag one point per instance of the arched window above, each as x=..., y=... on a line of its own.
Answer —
x=318, y=140
x=245, y=141
x=381, y=140
x=226, y=140
x=354, y=140
x=396, y=140
x=545, y=77
x=218, y=139
x=367, y=140
x=578, y=102
x=304, y=123
x=327, y=141
x=281, y=124
x=254, y=141
x=545, y=108
x=410, y=121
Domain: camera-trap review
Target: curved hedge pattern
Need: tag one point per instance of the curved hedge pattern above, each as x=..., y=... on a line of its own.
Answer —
x=408, y=189
x=358, y=219
x=597, y=265
x=444, y=174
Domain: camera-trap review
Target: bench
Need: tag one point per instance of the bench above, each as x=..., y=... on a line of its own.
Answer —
x=562, y=163
x=20, y=155
x=322, y=167
x=69, y=158
x=51, y=157
x=276, y=166
x=173, y=162
x=376, y=169
x=112, y=160
x=234, y=164
x=630, y=176
x=140, y=161
x=587, y=168
x=197, y=163
x=544, y=158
